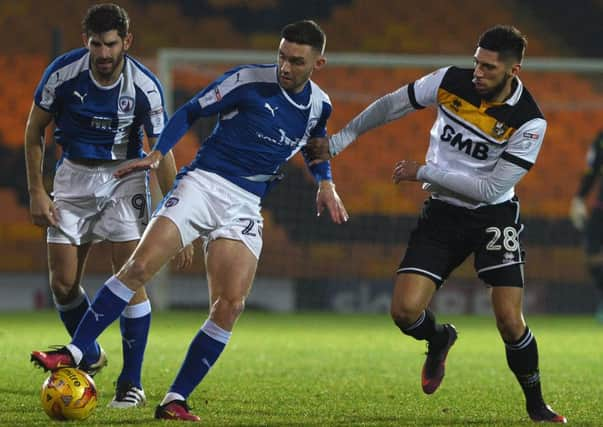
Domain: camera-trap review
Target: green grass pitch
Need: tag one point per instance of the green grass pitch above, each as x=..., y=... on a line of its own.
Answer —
x=323, y=370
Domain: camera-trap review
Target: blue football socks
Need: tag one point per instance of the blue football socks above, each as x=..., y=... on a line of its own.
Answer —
x=108, y=304
x=134, y=323
x=71, y=314
x=202, y=353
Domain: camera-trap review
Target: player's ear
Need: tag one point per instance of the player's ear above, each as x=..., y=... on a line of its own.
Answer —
x=515, y=69
x=320, y=62
x=85, y=39
x=128, y=41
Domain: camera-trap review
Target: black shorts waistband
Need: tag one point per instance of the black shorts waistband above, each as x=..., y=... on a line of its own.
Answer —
x=453, y=208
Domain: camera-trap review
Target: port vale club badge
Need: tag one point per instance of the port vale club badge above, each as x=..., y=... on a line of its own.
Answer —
x=499, y=129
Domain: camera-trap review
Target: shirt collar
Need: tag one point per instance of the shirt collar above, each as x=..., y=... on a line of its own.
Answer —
x=514, y=98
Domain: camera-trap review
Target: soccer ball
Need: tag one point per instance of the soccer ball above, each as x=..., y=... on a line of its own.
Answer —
x=68, y=394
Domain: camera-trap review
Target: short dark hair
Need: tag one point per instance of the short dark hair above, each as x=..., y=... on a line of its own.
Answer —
x=105, y=17
x=305, y=32
x=506, y=40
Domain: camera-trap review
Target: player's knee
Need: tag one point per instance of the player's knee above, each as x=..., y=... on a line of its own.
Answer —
x=228, y=309
x=135, y=272
x=511, y=328
x=64, y=291
x=402, y=316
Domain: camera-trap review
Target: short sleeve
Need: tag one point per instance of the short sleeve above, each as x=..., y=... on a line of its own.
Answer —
x=525, y=143
x=424, y=91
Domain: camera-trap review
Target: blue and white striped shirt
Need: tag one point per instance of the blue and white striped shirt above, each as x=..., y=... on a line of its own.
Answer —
x=260, y=126
x=101, y=122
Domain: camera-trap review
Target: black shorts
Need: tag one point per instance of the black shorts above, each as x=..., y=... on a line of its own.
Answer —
x=446, y=235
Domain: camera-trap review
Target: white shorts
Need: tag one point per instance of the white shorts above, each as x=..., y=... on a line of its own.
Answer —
x=203, y=204
x=92, y=205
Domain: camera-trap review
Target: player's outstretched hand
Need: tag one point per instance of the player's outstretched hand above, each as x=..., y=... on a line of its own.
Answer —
x=328, y=198
x=406, y=170
x=317, y=150
x=42, y=210
x=151, y=161
x=184, y=259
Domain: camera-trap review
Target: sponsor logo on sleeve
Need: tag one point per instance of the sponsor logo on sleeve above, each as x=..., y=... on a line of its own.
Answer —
x=47, y=96
x=531, y=135
x=156, y=117
x=210, y=97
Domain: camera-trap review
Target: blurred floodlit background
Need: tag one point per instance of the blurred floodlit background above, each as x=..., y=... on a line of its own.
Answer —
x=307, y=262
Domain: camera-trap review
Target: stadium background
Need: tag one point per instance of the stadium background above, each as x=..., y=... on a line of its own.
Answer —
x=307, y=262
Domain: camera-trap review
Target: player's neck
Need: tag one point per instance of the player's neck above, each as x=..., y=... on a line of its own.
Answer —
x=108, y=80
x=506, y=92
